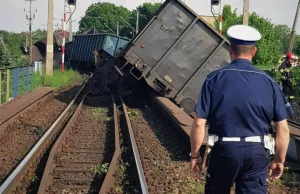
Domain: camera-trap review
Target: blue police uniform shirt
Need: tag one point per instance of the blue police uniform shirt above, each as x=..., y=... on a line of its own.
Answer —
x=240, y=101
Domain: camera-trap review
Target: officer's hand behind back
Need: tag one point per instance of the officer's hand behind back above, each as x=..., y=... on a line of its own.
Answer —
x=276, y=170
x=196, y=167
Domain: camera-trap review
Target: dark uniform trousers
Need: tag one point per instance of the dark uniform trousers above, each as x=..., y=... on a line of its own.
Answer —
x=243, y=163
x=287, y=88
x=286, y=72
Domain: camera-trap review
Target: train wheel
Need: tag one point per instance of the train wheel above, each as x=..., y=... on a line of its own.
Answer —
x=98, y=83
x=188, y=105
x=127, y=86
x=113, y=77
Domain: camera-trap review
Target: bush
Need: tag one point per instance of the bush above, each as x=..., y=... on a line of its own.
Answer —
x=57, y=80
x=296, y=79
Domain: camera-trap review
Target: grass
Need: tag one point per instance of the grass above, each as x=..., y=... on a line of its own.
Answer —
x=264, y=67
x=101, y=170
x=132, y=114
x=193, y=186
x=57, y=80
x=99, y=111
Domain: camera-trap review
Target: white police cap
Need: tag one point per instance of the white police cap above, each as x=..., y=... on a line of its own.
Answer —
x=243, y=35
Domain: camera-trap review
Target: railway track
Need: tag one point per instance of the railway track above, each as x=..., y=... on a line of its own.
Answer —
x=85, y=158
x=25, y=120
x=160, y=151
x=294, y=124
x=80, y=158
x=21, y=175
x=86, y=152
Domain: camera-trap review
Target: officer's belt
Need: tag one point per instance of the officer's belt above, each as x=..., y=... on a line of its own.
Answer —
x=212, y=139
x=267, y=140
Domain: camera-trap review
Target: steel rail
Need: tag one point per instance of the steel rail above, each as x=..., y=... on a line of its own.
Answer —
x=34, y=151
x=294, y=124
x=136, y=154
x=109, y=179
x=46, y=178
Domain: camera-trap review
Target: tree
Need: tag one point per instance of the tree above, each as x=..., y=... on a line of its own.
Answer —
x=296, y=46
x=5, y=57
x=283, y=32
x=38, y=35
x=104, y=17
x=269, y=47
x=146, y=12
x=229, y=18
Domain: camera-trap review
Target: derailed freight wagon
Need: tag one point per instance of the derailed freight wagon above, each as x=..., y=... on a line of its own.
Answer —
x=174, y=53
x=83, y=46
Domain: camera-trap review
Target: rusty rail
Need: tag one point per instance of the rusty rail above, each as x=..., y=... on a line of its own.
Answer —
x=47, y=175
x=142, y=179
x=13, y=182
x=109, y=180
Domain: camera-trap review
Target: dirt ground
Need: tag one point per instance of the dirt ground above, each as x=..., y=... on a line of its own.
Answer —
x=88, y=145
x=164, y=158
x=296, y=109
x=26, y=130
x=163, y=152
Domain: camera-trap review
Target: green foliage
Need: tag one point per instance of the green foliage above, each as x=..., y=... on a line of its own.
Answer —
x=5, y=56
x=104, y=16
x=269, y=47
x=296, y=46
x=57, y=80
x=101, y=170
x=146, y=12
x=277, y=76
x=230, y=18
x=38, y=35
x=99, y=14
x=295, y=80
x=283, y=32
x=15, y=42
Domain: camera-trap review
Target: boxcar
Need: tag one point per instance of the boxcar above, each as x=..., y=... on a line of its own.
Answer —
x=174, y=53
x=83, y=46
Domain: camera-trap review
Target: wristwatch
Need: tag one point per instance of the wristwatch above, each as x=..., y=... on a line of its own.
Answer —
x=194, y=157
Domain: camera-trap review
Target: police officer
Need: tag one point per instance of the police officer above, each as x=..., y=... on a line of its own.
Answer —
x=239, y=102
x=286, y=76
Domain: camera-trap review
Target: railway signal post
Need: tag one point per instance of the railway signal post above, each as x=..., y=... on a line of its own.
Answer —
x=216, y=9
x=63, y=49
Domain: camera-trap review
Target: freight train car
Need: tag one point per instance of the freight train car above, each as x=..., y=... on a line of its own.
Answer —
x=174, y=53
x=83, y=46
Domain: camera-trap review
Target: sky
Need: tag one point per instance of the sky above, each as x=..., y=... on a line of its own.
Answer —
x=13, y=17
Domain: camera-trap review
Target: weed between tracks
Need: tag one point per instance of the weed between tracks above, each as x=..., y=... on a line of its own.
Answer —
x=126, y=176
x=101, y=170
x=98, y=111
x=125, y=183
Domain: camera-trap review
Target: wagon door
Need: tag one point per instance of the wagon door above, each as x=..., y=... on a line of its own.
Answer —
x=160, y=34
